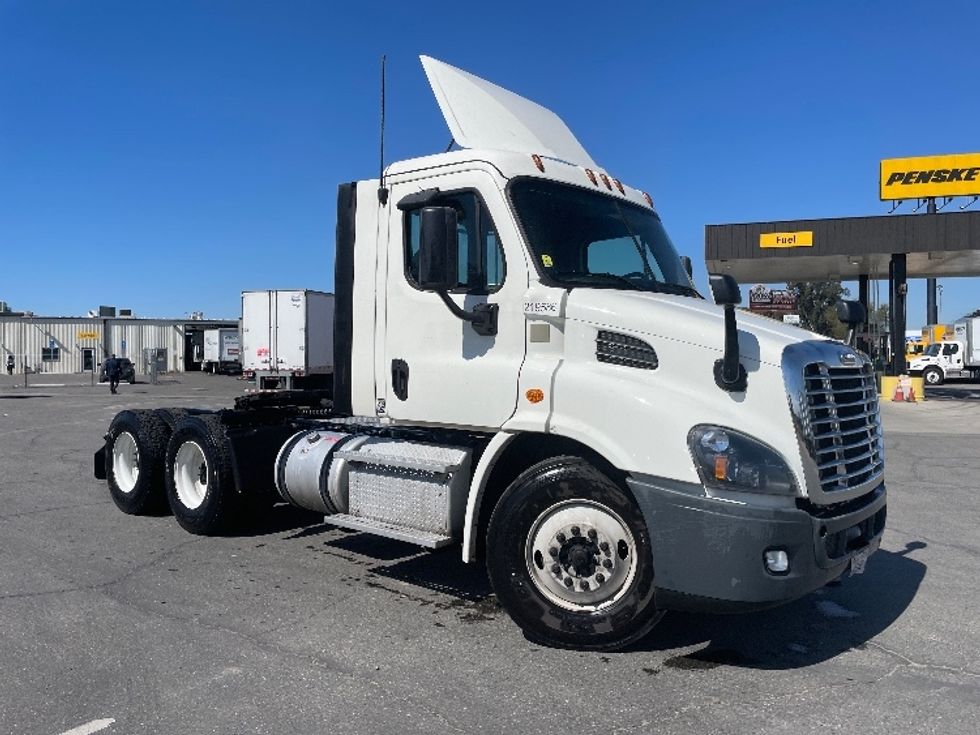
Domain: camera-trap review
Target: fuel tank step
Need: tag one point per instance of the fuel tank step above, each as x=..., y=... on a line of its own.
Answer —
x=415, y=536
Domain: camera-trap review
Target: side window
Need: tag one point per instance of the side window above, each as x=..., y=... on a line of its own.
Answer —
x=950, y=349
x=481, y=257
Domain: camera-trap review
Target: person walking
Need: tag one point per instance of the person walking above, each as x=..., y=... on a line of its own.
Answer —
x=10, y=364
x=112, y=371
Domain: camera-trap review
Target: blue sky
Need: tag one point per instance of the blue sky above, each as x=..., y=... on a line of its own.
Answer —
x=164, y=156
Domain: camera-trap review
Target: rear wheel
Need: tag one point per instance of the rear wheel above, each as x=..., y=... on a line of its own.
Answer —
x=200, y=486
x=135, y=447
x=932, y=376
x=569, y=558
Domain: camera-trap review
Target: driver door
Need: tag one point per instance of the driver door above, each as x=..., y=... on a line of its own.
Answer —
x=436, y=369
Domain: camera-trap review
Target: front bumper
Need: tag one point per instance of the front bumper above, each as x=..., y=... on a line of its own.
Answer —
x=708, y=554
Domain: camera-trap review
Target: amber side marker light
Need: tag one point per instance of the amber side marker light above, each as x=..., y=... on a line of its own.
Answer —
x=535, y=395
x=721, y=467
x=538, y=162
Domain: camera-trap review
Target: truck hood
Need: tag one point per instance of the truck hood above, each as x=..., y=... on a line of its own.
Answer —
x=685, y=320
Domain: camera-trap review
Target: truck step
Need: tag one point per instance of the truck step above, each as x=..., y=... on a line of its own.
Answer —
x=390, y=530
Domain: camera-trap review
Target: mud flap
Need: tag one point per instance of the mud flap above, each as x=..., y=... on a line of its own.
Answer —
x=99, y=460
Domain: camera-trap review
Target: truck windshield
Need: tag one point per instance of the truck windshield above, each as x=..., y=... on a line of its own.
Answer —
x=933, y=350
x=584, y=238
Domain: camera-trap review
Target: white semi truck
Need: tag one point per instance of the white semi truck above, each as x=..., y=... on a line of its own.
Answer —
x=958, y=357
x=523, y=368
x=222, y=351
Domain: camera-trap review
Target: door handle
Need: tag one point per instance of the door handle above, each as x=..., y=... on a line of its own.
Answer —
x=399, y=379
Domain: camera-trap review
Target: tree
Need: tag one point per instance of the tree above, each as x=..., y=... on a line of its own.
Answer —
x=816, y=304
x=879, y=320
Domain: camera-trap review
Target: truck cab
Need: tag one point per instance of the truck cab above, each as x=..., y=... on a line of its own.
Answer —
x=522, y=366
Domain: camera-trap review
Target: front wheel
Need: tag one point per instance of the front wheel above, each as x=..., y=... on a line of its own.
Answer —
x=932, y=376
x=569, y=558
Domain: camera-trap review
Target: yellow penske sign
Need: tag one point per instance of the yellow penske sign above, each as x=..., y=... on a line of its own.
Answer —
x=930, y=176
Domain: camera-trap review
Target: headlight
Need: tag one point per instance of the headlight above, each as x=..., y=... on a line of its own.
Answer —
x=729, y=460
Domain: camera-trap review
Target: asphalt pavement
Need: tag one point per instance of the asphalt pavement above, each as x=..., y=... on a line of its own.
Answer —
x=120, y=624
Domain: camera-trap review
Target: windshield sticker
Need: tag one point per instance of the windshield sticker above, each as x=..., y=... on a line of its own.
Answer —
x=546, y=260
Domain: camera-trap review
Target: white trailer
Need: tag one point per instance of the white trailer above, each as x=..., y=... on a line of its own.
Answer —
x=523, y=368
x=222, y=351
x=287, y=337
x=958, y=357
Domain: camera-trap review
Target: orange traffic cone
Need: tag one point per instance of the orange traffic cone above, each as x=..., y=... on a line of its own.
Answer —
x=899, y=393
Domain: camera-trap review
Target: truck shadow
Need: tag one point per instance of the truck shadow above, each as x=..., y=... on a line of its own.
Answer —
x=840, y=617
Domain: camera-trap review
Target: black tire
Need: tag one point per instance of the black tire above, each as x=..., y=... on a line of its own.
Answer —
x=199, y=479
x=932, y=376
x=136, y=445
x=534, y=502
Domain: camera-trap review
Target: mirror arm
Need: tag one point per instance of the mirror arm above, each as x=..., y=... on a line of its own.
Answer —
x=730, y=374
x=483, y=318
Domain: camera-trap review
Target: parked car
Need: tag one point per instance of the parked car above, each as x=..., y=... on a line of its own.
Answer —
x=127, y=370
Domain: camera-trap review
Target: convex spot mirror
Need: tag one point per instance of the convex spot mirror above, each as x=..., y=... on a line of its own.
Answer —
x=438, y=249
x=851, y=313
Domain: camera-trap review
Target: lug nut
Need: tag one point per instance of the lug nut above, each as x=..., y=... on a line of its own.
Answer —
x=560, y=538
x=568, y=581
x=556, y=568
x=607, y=563
x=576, y=531
x=604, y=546
x=599, y=578
x=584, y=585
x=592, y=534
x=553, y=551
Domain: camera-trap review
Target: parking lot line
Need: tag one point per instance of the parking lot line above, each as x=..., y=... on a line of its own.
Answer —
x=89, y=727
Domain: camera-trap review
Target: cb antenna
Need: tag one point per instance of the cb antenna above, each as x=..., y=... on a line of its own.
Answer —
x=382, y=190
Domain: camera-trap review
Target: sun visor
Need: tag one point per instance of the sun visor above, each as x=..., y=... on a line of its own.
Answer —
x=482, y=115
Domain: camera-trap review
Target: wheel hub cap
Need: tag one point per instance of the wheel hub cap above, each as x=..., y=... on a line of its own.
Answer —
x=581, y=555
x=125, y=462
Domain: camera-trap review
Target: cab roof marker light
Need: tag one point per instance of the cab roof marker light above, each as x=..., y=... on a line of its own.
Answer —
x=592, y=177
x=648, y=199
x=538, y=162
x=619, y=185
x=605, y=180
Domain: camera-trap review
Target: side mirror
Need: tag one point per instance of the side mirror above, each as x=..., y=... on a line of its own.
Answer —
x=688, y=266
x=851, y=313
x=438, y=249
x=725, y=289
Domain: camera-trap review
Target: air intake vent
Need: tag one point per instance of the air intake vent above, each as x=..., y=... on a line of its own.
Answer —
x=621, y=349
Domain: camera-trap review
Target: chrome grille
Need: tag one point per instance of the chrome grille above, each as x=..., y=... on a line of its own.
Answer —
x=842, y=426
x=622, y=349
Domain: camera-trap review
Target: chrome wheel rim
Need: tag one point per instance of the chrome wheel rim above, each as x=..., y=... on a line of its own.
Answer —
x=125, y=462
x=191, y=475
x=581, y=555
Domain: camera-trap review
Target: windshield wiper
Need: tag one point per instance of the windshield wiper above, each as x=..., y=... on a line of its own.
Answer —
x=631, y=284
x=676, y=288
x=610, y=278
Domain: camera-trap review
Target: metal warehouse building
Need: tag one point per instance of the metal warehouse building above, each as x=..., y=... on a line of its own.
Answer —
x=66, y=345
